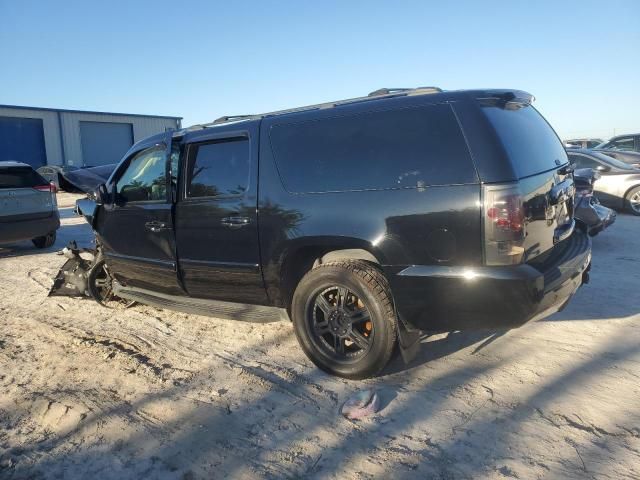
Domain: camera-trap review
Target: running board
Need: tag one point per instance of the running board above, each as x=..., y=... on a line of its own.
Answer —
x=200, y=306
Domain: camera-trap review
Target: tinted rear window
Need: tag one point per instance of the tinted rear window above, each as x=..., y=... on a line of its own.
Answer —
x=405, y=148
x=218, y=169
x=530, y=142
x=20, y=177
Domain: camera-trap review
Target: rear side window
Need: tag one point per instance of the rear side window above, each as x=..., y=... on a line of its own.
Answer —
x=20, y=177
x=532, y=145
x=405, y=148
x=218, y=169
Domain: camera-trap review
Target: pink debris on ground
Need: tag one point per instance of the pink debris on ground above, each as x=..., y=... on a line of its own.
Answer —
x=361, y=404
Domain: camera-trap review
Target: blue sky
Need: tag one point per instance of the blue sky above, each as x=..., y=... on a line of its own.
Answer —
x=201, y=60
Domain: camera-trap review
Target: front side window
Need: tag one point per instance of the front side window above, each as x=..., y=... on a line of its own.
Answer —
x=145, y=177
x=219, y=168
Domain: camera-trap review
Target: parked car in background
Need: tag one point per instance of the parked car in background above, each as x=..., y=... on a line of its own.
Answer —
x=619, y=184
x=365, y=221
x=630, y=143
x=591, y=215
x=582, y=142
x=74, y=179
x=28, y=208
x=85, y=180
x=51, y=172
x=628, y=157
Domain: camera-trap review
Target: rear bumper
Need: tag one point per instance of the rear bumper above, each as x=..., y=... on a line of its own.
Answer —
x=25, y=227
x=441, y=298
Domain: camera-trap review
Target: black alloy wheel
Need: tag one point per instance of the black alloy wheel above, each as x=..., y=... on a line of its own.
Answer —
x=341, y=323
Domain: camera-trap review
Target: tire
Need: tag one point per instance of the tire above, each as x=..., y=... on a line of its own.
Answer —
x=632, y=201
x=350, y=340
x=45, y=241
x=99, y=284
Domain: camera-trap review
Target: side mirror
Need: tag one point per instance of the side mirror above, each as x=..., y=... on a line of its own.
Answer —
x=102, y=195
x=603, y=168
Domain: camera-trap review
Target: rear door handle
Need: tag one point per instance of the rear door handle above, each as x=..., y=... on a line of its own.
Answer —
x=235, y=222
x=155, y=226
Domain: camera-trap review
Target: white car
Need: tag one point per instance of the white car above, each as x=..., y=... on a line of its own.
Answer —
x=28, y=207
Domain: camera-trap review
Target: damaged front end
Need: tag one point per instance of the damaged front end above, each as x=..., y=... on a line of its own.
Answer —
x=85, y=274
x=73, y=278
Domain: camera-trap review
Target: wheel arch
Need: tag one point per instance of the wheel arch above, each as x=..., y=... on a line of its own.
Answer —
x=628, y=191
x=305, y=256
x=625, y=200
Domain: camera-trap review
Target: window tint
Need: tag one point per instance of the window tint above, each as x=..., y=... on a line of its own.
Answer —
x=20, y=177
x=406, y=148
x=622, y=144
x=581, y=161
x=530, y=142
x=145, y=177
x=220, y=168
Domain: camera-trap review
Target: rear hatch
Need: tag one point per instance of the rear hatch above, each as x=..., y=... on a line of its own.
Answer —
x=24, y=194
x=527, y=218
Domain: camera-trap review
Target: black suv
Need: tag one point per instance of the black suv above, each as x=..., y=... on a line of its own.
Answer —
x=364, y=221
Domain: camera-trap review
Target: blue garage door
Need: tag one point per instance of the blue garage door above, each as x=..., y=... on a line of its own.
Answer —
x=22, y=140
x=104, y=143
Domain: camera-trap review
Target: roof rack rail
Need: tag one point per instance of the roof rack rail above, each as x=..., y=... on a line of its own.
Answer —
x=377, y=93
x=386, y=91
x=389, y=91
x=230, y=118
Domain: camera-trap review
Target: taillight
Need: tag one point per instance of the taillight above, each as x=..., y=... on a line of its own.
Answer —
x=504, y=225
x=50, y=187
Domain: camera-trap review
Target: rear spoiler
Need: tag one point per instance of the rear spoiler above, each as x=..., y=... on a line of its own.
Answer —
x=504, y=97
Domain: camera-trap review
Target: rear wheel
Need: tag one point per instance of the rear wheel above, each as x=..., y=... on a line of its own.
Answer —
x=344, y=318
x=45, y=241
x=633, y=201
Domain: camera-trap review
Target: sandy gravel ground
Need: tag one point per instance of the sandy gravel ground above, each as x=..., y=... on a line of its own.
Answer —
x=87, y=392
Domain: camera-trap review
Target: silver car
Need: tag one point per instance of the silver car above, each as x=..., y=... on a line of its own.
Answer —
x=619, y=184
x=28, y=207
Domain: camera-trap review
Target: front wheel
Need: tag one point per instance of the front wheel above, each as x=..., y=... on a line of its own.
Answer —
x=100, y=286
x=344, y=319
x=633, y=201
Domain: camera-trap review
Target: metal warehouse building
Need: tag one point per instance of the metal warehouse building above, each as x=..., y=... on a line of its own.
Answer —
x=46, y=136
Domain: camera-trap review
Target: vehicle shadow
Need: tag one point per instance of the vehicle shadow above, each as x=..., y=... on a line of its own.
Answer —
x=433, y=347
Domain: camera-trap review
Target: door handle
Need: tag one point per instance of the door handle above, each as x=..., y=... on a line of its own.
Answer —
x=235, y=222
x=155, y=226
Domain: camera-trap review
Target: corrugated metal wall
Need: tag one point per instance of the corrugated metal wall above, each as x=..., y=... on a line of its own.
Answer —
x=142, y=128
x=49, y=125
x=70, y=122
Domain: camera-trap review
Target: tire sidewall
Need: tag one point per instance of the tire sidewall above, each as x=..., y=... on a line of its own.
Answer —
x=631, y=193
x=316, y=281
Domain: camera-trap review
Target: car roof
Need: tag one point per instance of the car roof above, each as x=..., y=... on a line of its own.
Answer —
x=380, y=95
x=622, y=136
x=12, y=163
